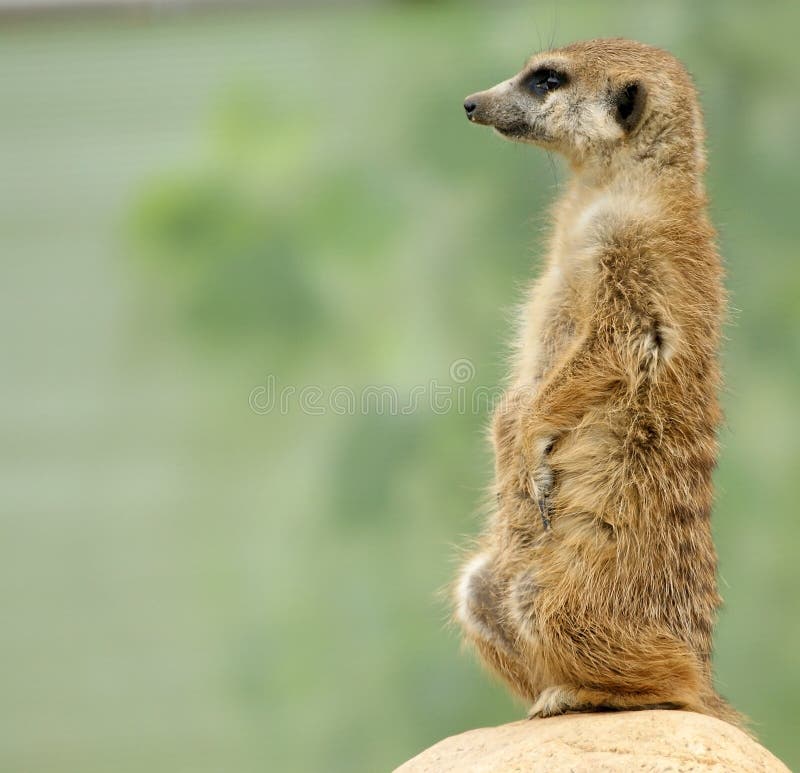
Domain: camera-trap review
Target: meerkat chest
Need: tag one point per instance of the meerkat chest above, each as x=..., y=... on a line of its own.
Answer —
x=586, y=221
x=561, y=299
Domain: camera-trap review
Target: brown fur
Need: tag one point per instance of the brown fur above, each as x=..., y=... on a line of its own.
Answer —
x=594, y=582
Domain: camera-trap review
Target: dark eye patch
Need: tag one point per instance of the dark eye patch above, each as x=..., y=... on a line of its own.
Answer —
x=544, y=80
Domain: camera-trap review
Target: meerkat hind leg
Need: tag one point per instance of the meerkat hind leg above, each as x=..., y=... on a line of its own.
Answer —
x=480, y=614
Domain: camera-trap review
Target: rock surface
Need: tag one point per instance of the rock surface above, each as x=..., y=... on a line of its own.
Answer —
x=622, y=741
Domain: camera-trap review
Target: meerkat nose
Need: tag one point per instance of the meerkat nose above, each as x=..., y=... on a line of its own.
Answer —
x=469, y=106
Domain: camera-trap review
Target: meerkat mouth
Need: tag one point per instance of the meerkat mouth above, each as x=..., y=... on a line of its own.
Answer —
x=524, y=132
x=513, y=130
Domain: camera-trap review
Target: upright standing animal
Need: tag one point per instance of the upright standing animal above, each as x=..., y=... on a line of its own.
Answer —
x=594, y=583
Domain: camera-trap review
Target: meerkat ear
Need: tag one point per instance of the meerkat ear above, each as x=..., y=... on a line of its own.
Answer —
x=629, y=105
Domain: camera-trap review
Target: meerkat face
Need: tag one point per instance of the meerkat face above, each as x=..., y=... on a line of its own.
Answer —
x=566, y=100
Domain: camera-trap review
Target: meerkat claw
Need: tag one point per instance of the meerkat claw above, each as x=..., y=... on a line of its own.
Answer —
x=544, y=509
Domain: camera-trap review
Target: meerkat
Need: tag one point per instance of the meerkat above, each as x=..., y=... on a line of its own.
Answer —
x=593, y=585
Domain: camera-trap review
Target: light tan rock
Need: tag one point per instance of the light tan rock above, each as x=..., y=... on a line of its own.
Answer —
x=580, y=743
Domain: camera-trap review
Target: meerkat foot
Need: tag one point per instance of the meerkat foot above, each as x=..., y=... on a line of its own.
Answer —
x=562, y=700
x=557, y=700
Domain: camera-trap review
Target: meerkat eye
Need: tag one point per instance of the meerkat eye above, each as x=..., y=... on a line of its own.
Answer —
x=544, y=80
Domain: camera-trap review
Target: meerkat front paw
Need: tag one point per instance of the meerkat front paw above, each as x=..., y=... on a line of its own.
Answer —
x=536, y=475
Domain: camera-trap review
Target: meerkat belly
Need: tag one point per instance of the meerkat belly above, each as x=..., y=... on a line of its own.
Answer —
x=548, y=328
x=588, y=470
x=584, y=462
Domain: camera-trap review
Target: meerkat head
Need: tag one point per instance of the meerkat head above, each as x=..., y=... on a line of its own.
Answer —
x=590, y=100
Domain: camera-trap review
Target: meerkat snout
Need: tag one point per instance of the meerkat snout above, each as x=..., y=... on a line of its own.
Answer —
x=475, y=106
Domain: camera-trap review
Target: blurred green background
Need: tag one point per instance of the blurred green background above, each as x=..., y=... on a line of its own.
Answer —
x=195, y=203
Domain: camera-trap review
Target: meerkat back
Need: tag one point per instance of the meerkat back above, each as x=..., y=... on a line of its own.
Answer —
x=594, y=581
